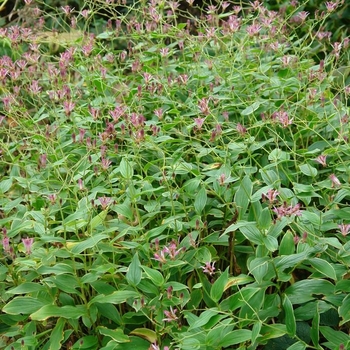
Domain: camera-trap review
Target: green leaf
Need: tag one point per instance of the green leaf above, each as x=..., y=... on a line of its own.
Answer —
x=287, y=245
x=315, y=333
x=344, y=310
x=297, y=346
x=270, y=243
x=308, y=170
x=26, y=287
x=306, y=290
x=134, y=272
x=154, y=275
x=117, y=297
x=251, y=109
x=68, y=312
x=235, y=337
x=323, y=267
x=200, y=201
x=289, y=316
x=5, y=185
x=204, y=318
x=23, y=305
x=57, y=335
x=126, y=169
x=218, y=287
x=145, y=333
x=334, y=337
x=65, y=283
x=243, y=195
x=77, y=248
x=252, y=234
x=258, y=267
x=264, y=221
x=98, y=220
x=116, y=334
x=89, y=342
x=238, y=299
x=256, y=331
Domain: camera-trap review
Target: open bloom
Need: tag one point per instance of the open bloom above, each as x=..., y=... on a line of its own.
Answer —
x=170, y=315
x=344, y=229
x=321, y=159
x=285, y=210
x=209, y=268
x=335, y=181
x=28, y=242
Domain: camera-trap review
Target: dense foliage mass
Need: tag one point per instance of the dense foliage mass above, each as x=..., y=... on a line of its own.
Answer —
x=174, y=182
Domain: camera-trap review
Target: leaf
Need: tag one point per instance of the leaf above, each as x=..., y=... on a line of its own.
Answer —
x=258, y=267
x=238, y=299
x=235, y=337
x=297, y=346
x=154, y=275
x=145, y=333
x=289, y=316
x=252, y=234
x=308, y=170
x=287, y=245
x=88, y=342
x=77, y=248
x=22, y=305
x=264, y=221
x=218, y=287
x=117, y=297
x=251, y=109
x=256, y=331
x=204, y=318
x=200, y=201
x=57, y=335
x=270, y=243
x=314, y=332
x=134, y=272
x=116, y=334
x=323, y=267
x=238, y=280
x=126, y=169
x=243, y=195
x=306, y=290
x=5, y=185
x=67, y=311
x=334, y=337
x=97, y=220
x=26, y=287
x=344, y=310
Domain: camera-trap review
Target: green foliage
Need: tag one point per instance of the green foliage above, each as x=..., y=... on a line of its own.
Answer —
x=172, y=185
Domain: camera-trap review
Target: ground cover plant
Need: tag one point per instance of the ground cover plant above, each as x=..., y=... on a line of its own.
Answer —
x=173, y=182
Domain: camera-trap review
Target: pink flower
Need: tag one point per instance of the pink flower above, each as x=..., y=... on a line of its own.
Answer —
x=68, y=107
x=344, y=229
x=321, y=159
x=6, y=244
x=209, y=268
x=28, y=242
x=271, y=196
x=105, y=163
x=199, y=123
x=285, y=210
x=160, y=257
x=105, y=201
x=335, y=181
x=241, y=129
x=204, y=106
x=170, y=315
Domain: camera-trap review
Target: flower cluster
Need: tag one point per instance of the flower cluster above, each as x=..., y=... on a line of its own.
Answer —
x=287, y=210
x=171, y=251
